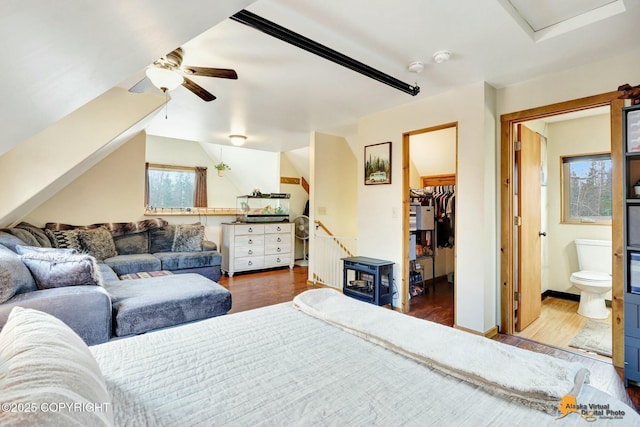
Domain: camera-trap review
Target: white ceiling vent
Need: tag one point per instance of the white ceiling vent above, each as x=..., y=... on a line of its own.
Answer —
x=543, y=19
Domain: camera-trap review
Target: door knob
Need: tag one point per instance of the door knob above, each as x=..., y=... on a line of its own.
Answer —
x=542, y=233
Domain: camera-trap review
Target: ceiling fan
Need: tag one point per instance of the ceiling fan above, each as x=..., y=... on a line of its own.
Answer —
x=167, y=73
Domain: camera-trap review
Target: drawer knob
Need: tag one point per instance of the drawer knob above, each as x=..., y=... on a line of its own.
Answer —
x=279, y=229
x=279, y=240
x=250, y=251
x=278, y=260
x=278, y=250
x=250, y=230
x=250, y=241
x=250, y=262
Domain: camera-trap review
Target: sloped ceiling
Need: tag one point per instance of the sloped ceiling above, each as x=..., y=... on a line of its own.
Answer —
x=59, y=55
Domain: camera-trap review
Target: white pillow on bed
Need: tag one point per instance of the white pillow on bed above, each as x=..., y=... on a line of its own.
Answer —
x=48, y=376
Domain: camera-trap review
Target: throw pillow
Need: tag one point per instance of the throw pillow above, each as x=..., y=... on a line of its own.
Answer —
x=21, y=250
x=97, y=242
x=57, y=269
x=64, y=239
x=188, y=238
x=45, y=364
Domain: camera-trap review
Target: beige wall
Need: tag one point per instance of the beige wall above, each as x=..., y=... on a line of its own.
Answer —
x=380, y=218
x=572, y=137
x=111, y=191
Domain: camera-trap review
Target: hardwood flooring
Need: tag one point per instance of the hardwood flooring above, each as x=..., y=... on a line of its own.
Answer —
x=253, y=290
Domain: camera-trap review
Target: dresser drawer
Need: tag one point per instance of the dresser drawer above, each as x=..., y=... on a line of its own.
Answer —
x=277, y=228
x=277, y=248
x=248, y=263
x=249, y=240
x=277, y=239
x=244, y=251
x=248, y=229
x=277, y=260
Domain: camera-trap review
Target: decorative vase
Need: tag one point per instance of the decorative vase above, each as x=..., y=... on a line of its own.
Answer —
x=220, y=172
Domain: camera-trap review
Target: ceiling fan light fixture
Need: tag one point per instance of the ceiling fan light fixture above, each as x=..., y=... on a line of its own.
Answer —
x=163, y=78
x=237, y=140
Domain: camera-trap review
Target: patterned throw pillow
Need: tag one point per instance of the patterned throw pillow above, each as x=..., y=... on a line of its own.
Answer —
x=188, y=238
x=64, y=239
x=97, y=242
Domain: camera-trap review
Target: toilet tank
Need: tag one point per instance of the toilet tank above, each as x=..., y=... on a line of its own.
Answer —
x=594, y=255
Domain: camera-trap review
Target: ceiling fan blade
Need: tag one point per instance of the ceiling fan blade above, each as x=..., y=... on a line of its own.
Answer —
x=222, y=73
x=198, y=90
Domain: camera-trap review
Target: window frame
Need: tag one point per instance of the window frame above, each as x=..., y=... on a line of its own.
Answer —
x=565, y=198
x=172, y=168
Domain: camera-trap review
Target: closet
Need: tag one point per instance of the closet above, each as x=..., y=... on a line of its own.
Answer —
x=432, y=195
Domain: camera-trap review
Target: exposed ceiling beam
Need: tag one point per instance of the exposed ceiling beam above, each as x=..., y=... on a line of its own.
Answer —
x=271, y=28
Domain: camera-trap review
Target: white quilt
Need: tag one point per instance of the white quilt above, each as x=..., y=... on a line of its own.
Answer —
x=277, y=366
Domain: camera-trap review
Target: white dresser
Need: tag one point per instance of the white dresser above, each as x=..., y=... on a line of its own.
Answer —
x=254, y=246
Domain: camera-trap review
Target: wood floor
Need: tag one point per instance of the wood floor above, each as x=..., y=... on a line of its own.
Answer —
x=253, y=290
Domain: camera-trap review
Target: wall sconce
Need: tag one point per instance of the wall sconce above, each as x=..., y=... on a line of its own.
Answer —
x=237, y=140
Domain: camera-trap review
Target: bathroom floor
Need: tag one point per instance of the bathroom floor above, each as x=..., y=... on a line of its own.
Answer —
x=558, y=324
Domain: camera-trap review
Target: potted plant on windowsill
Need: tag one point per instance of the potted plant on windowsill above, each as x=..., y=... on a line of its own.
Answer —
x=221, y=167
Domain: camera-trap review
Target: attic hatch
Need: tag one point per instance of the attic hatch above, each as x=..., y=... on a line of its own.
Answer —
x=543, y=19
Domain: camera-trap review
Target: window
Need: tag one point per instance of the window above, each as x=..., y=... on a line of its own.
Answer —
x=586, y=189
x=175, y=186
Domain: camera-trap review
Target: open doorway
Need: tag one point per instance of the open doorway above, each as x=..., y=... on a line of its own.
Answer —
x=567, y=205
x=431, y=193
x=559, y=257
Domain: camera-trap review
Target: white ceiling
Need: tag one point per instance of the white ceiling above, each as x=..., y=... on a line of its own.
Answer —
x=64, y=53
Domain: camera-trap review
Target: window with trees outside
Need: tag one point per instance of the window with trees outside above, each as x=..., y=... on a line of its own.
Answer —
x=586, y=189
x=169, y=186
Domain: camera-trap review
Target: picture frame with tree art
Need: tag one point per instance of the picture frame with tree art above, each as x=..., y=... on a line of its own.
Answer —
x=377, y=164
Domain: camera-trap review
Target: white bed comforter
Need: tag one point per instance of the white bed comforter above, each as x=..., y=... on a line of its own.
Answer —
x=278, y=366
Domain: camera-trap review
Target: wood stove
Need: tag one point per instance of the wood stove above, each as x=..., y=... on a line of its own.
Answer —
x=369, y=280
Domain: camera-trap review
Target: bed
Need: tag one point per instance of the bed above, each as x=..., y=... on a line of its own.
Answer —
x=325, y=359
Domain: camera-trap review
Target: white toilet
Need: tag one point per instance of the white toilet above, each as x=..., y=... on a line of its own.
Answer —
x=594, y=277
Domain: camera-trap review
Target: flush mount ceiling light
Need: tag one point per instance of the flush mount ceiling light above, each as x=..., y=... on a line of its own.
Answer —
x=237, y=139
x=441, y=56
x=416, y=67
x=163, y=78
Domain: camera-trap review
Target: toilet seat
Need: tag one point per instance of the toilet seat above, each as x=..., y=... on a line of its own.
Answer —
x=591, y=277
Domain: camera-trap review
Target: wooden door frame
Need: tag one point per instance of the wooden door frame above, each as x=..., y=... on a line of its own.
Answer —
x=507, y=258
x=406, y=200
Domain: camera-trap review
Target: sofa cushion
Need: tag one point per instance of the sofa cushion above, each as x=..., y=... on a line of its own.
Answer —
x=181, y=260
x=97, y=242
x=136, y=243
x=10, y=241
x=35, y=237
x=106, y=273
x=135, y=263
x=15, y=277
x=161, y=239
x=55, y=269
x=158, y=302
x=45, y=364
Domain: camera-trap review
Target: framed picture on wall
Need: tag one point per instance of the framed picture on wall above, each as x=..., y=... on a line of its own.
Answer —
x=377, y=164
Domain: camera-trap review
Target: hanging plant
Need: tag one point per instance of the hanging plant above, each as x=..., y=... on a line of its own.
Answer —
x=221, y=167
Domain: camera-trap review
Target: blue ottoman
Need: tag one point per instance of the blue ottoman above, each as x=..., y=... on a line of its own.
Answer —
x=142, y=305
